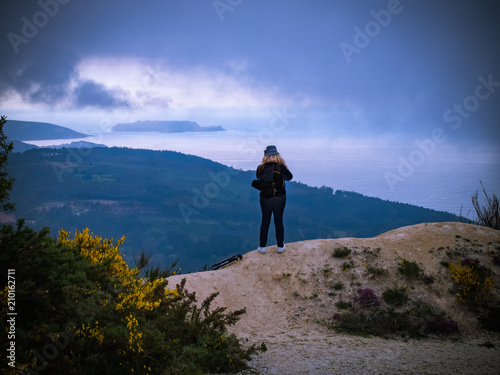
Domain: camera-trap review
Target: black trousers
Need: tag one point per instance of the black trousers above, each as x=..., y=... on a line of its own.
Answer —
x=274, y=206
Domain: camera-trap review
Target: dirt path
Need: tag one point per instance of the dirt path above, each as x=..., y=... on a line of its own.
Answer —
x=309, y=352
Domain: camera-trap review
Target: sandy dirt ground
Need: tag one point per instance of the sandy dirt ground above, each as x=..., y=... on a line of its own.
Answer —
x=290, y=300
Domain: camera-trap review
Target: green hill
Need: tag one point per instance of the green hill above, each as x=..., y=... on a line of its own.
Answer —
x=31, y=131
x=173, y=205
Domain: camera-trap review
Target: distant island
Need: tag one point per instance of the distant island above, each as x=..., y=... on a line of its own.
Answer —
x=38, y=131
x=165, y=127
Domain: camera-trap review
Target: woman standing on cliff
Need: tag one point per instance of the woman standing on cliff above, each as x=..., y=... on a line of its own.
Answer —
x=271, y=176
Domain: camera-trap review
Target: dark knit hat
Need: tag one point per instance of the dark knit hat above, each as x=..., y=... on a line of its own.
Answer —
x=271, y=150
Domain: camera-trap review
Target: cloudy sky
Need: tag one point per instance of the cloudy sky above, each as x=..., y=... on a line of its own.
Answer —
x=401, y=68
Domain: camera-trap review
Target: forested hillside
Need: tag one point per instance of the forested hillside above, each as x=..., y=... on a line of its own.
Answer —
x=177, y=206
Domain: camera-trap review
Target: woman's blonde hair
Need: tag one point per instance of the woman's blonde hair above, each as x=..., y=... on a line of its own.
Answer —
x=273, y=159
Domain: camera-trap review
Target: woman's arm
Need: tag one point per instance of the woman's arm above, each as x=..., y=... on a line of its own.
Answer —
x=287, y=175
x=258, y=171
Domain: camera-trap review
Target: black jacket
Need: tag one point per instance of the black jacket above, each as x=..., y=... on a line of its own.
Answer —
x=268, y=169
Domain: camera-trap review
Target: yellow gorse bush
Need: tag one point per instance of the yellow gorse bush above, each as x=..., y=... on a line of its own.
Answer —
x=94, y=332
x=137, y=293
x=97, y=250
x=133, y=293
x=470, y=281
x=143, y=296
x=135, y=336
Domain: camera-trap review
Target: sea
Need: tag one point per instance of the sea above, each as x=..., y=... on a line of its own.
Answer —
x=439, y=176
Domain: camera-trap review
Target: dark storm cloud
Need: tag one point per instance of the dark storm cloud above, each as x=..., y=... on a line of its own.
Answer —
x=34, y=64
x=43, y=41
x=42, y=79
x=93, y=94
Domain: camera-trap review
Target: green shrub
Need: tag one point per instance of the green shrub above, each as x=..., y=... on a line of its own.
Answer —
x=341, y=252
x=347, y=265
x=338, y=286
x=343, y=305
x=496, y=260
x=376, y=271
x=376, y=322
x=409, y=269
x=366, y=316
x=389, y=321
x=444, y=263
x=428, y=279
x=489, y=318
x=489, y=214
x=396, y=296
x=327, y=271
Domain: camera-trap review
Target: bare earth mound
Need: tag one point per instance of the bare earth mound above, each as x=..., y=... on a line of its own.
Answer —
x=290, y=297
